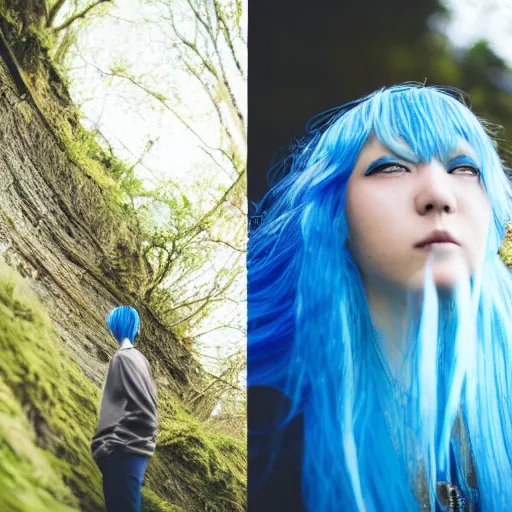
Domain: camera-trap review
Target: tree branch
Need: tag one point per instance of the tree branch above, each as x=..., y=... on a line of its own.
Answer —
x=54, y=10
x=220, y=73
x=223, y=326
x=205, y=304
x=216, y=380
x=227, y=244
x=221, y=201
x=227, y=37
x=79, y=15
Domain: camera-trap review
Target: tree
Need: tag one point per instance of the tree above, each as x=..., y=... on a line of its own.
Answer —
x=193, y=75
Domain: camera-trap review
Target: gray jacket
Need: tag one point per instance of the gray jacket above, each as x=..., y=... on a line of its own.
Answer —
x=128, y=419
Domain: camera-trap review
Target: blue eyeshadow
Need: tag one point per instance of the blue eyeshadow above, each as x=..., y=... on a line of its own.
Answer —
x=379, y=162
x=461, y=160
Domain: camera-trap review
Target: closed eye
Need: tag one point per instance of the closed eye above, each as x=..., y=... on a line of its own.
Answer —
x=390, y=168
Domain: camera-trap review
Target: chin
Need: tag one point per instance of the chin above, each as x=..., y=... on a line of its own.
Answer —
x=446, y=273
x=447, y=278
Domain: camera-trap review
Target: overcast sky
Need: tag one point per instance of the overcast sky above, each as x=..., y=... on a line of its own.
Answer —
x=482, y=19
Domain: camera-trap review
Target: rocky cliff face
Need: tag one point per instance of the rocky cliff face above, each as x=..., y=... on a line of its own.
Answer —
x=80, y=255
x=78, y=250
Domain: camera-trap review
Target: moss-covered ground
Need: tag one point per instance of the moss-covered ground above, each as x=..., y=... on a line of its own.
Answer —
x=28, y=482
x=199, y=469
x=48, y=413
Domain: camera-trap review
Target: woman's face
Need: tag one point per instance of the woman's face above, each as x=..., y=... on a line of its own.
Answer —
x=399, y=212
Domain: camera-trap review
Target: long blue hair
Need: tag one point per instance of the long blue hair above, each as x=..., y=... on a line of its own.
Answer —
x=124, y=322
x=368, y=444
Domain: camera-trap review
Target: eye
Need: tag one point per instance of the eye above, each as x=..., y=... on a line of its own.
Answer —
x=465, y=170
x=463, y=165
x=386, y=166
x=390, y=168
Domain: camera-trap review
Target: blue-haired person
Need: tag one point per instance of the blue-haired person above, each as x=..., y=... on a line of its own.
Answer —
x=128, y=420
x=380, y=314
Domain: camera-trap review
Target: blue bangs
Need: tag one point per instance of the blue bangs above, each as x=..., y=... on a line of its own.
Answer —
x=416, y=123
x=419, y=124
x=124, y=323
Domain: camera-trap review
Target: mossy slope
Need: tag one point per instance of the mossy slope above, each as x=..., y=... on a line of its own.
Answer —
x=48, y=412
x=196, y=468
x=59, y=403
x=28, y=480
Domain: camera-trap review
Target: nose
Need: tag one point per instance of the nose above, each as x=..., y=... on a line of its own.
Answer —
x=434, y=191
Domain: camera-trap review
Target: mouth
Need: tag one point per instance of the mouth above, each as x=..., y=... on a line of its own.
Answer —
x=437, y=238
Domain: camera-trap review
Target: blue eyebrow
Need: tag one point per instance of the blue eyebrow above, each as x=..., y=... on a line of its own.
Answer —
x=461, y=160
x=381, y=161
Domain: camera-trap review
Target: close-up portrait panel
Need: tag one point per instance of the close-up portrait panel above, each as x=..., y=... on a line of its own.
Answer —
x=379, y=361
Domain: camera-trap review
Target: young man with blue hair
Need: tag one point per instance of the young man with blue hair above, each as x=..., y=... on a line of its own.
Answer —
x=128, y=421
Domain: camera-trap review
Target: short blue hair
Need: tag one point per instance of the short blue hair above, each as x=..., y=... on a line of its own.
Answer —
x=124, y=322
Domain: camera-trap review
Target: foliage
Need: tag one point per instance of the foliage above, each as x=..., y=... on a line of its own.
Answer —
x=193, y=234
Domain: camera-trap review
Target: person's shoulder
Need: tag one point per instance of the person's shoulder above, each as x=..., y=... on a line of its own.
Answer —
x=131, y=354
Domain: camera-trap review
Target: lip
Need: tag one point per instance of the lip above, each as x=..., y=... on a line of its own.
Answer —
x=437, y=238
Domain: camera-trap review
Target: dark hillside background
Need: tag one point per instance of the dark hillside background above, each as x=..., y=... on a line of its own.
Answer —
x=305, y=57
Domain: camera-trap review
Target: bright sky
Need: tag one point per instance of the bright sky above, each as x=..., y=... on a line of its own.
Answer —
x=125, y=114
x=473, y=20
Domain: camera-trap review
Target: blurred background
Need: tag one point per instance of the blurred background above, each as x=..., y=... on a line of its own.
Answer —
x=306, y=57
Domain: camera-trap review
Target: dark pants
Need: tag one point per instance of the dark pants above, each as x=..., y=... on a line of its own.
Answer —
x=122, y=481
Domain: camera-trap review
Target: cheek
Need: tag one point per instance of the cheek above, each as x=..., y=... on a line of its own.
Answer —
x=375, y=219
x=362, y=209
x=360, y=218
x=479, y=217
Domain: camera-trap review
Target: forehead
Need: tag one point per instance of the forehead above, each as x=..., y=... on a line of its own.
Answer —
x=374, y=148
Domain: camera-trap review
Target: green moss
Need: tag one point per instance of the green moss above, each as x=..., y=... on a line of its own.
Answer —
x=25, y=110
x=59, y=401
x=83, y=150
x=29, y=482
x=48, y=413
x=7, y=219
x=506, y=249
x=198, y=469
x=152, y=503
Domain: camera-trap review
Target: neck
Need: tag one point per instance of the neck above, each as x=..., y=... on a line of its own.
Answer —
x=390, y=310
